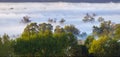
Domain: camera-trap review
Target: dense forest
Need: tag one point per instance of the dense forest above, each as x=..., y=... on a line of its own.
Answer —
x=44, y=41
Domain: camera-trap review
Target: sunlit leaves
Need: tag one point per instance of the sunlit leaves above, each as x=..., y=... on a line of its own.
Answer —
x=117, y=31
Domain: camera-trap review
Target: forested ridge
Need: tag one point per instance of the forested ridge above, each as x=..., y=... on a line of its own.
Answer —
x=41, y=40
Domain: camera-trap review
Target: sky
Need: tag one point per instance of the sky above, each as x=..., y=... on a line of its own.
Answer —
x=88, y=1
x=73, y=13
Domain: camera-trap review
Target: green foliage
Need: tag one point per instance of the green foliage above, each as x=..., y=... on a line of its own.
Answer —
x=117, y=31
x=112, y=48
x=106, y=29
x=5, y=46
x=97, y=47
x=43, y=42
x=58, y=29
x=39, y=40
x=42, y=27
x=72, y=29
x=79, y=51
x=89, y=41
x=30, y=30
x=105, y=47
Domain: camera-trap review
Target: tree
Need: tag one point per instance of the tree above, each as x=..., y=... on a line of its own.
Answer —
x=50, y=20
x=89, y=41
x=42, y=27
x=21, y=47
x=112, y=48
x=100, y=19
x=105, y=47
x=58, y=29
x=62, y=20
x=44, y=42
x=79, y=51
x=98, y=46
x=106, y=28
x=25, y=19
x=117, y=31
x=30, y=30
x=71, y=29
x=88, y=18
x=5, y=46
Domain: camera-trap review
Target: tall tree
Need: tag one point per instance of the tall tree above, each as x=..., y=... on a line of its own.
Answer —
x=5, y=46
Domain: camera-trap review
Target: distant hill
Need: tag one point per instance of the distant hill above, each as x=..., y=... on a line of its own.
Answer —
x=89, y=1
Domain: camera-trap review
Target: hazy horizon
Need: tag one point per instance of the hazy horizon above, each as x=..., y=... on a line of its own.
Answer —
x=73, y=1
x=12, y=13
